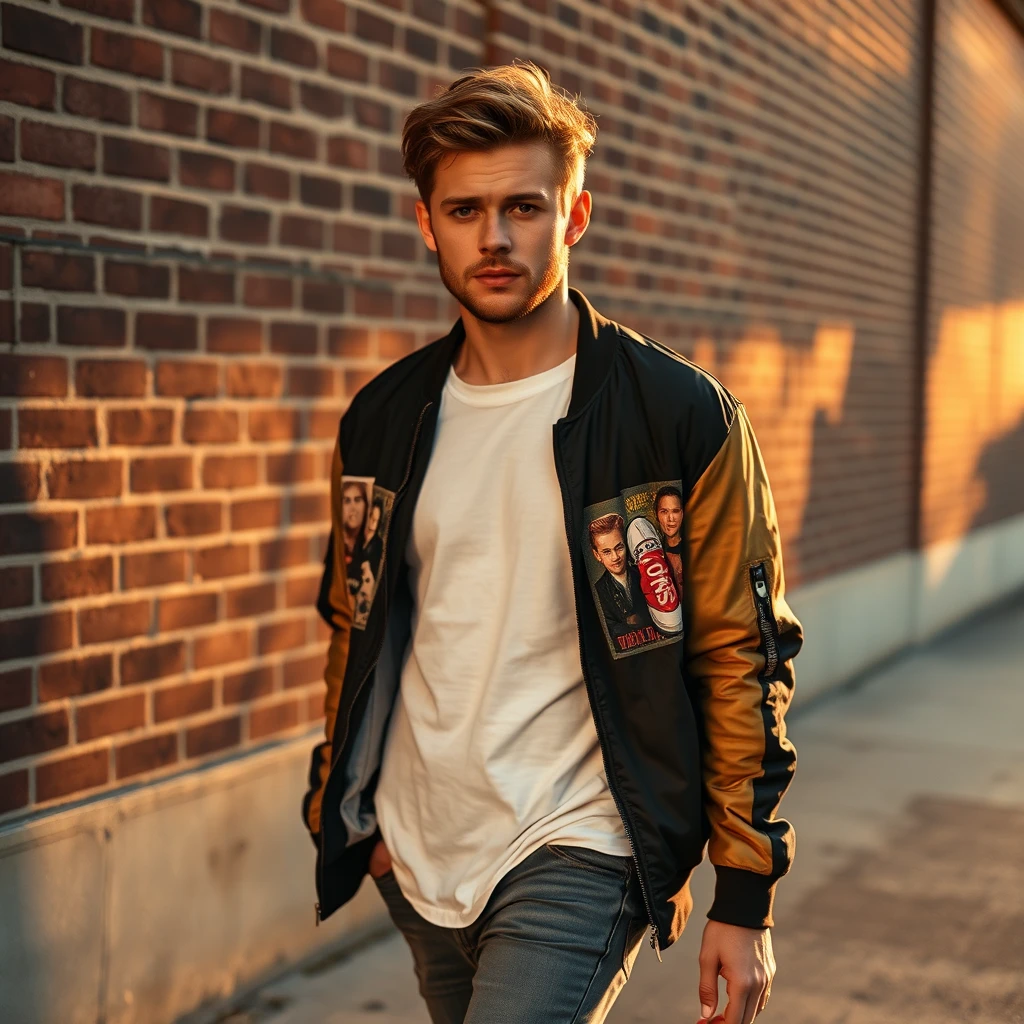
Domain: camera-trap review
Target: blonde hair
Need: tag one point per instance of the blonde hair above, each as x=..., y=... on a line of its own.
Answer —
x=495, y=107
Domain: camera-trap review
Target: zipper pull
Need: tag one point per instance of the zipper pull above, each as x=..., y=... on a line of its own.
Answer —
x=654, y=944
x=317, y=905
x=760, y=584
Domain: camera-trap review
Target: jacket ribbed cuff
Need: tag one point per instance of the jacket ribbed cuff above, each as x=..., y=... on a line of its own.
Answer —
x=743, y=898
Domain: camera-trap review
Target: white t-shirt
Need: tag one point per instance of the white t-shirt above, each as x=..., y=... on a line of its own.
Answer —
x=491, y=750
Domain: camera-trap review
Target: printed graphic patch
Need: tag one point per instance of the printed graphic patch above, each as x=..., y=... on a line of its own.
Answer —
x=632, y=547
x=365, y=518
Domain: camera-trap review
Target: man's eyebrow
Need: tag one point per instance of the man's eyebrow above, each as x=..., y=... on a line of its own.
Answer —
x=516, y=197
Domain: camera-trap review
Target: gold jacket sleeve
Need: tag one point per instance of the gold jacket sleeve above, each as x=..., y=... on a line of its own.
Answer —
x=739, y=655
x=334, y=605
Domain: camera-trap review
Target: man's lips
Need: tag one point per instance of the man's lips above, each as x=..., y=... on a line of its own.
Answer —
x=487, y=274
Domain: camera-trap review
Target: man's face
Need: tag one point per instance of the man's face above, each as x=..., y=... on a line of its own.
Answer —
x=670, y=515
x=611, y=551
x=353, y=506
x=373, y=520
x=501, y=209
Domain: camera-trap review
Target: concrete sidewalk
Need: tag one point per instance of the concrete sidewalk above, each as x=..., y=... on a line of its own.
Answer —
x=906, y=902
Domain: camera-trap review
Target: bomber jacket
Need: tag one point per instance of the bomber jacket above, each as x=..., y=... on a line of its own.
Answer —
x=690, y=720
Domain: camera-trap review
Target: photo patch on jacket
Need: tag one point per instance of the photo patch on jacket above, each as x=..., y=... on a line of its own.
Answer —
x=633, y=552
x=365, y=518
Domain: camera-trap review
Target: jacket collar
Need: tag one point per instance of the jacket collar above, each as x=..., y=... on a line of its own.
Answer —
x=596, y=344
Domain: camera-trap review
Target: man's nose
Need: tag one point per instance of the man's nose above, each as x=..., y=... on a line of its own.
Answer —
x=495, y=236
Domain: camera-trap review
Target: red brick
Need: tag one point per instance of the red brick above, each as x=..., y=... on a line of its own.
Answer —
x=142, y=664
x=290, y=338
x=329, y=14
x=130, y=158
x=16, y=591
x=143, y=280
x=356, y=379
x=193, y=518
x=323, y=297
x=244, y=224
x=140, y=426
x=213, y=736
x=283, y=552
x=348, y=341
x=312, y=381
x=249, y=684
x=277, y=6
x=256, y=514
x=91, y=326
x=291, y=467
x=166, y=331
x=204, y=170
x=195, y=285
x=170, y=473
x=304, y=232
x=197, y=71
x=187, y=611
x=7, y=133
x=302, y=591
x=351, y=238
x=186, y=379
x=274, y=718
x=19, y=482
x=293, y=48
x=152, y=569
x=167, y=114
x=33, y=376
x=210, y=426
x=110, y=378
x=228, y=472
x=267, y=291
x=322, y=422
x=178, y=217
x=73, y=774
x=85, y=479
x=223, y=560
x=343, y=62
x=309, y=508
x=267, y=88
x=253, y=380
x=273, y=424
x=233, y=334
x=264, y=180
x=75, y=677
x=57, y=146
x=183, y=17
x=57, y=271
x=322, y=100
x=97, y=100
x=249, y=601
x=78, y=577
x=120, y=524
x=220, y=648
x=31, y=31
x=114, y=621
x=280, y=636
x=31, y=635
x=109, y=716
x=35, y=322
x=304, y=670
x=26, y=85
x=5, y=428
x=112, y=207
x=234, y=31
x=146, y=755
x=232, y=128
x=183, y=700
x=26, y=195
x=118, y=10
x=291, y=140
x=133, y=55
x=321, y=192
x=57, y=428
x=34, y=734
x=13, y=790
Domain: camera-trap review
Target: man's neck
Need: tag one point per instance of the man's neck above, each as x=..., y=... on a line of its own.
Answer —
x=498, y=353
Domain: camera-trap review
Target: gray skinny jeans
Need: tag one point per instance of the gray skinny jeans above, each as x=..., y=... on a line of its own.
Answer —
x=554, y=944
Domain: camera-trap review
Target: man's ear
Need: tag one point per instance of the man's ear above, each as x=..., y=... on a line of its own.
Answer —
x=423, y=223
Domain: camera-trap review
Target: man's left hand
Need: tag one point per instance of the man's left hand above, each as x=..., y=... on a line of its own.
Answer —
x=743, y=956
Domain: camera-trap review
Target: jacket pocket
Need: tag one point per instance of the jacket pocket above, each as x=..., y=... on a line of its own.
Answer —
x=766, y=624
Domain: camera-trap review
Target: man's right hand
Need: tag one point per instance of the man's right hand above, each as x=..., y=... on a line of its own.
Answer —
x=380, y=860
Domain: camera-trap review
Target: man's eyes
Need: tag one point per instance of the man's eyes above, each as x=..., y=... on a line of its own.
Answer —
x=517, y=206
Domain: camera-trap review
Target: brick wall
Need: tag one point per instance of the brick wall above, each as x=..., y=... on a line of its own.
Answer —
x=217, y=249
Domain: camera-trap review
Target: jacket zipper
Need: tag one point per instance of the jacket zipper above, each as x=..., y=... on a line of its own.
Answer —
x=569, y=534
x=373, y=661
x=766, y=624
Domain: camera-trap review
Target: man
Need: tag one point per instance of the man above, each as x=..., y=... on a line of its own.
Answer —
x=618, y=587
x=527, y=798
x=353, y=519
x=668, y=507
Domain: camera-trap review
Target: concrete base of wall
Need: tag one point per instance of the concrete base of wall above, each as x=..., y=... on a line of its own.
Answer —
x=145, y=905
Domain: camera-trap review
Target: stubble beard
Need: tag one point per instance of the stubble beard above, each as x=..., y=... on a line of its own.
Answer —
x=555, y=269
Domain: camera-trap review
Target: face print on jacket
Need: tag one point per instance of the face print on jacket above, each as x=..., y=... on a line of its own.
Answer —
x=635, y=578
x=365, y=518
